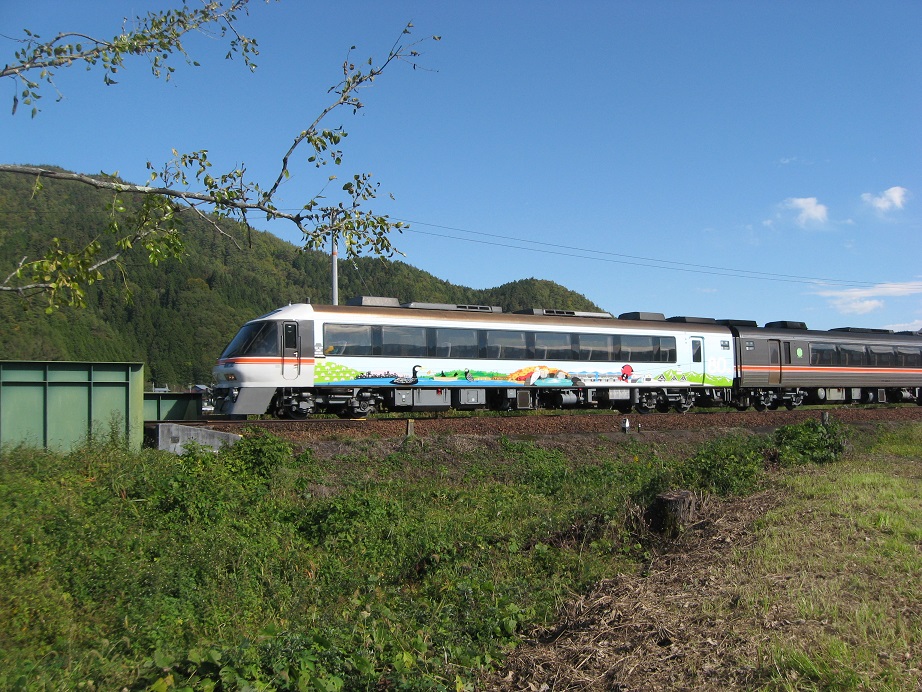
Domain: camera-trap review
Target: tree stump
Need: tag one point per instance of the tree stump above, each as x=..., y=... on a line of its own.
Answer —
x=671, y=512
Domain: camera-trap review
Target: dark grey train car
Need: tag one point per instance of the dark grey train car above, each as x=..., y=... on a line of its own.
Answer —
x=784, y=363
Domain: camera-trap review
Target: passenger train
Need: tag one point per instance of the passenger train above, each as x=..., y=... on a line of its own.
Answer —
x=377, y=354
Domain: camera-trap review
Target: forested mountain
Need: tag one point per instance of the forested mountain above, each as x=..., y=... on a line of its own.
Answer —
x=182, y=313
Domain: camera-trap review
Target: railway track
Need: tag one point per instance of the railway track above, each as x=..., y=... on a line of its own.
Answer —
x=561, y=424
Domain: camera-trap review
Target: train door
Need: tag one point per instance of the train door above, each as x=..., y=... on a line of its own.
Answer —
x=774, y=361
x=697, y=349
x=291, y=356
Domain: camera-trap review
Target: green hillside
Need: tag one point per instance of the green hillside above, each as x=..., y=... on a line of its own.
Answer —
x=182, y=313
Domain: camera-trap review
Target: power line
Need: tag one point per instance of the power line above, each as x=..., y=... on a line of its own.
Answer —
x=631, y=260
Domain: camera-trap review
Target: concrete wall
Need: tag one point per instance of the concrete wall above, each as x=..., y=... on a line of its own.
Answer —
x=173, y=437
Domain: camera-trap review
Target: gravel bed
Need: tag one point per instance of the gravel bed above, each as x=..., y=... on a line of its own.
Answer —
x=568, y=423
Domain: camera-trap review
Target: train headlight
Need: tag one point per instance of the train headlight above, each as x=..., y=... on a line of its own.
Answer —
x=230, y=377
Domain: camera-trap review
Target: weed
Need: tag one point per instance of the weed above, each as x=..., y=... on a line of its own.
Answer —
x=828, y=669
x=253, y=568
x=726, y=466
x=810, y=442
x=258, y=452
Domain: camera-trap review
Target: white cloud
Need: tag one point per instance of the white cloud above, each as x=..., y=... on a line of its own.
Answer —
x=810, y=210
x=891, y=198
x=906, y=326
x=860, y=301
x=789, y=160
x=853, y=306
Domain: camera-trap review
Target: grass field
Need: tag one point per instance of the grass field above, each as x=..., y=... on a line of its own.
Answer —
x=841, y=561
x=431, y=564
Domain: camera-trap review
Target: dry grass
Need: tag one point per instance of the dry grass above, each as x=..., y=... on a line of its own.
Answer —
x=814, y=584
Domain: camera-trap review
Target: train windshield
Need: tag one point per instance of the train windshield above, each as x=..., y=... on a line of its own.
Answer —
x=255, y=339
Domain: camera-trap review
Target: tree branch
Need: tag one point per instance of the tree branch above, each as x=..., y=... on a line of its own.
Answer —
x=186, y=180
x=157, y=34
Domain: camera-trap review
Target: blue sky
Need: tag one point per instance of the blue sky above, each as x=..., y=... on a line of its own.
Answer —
x=751, y=160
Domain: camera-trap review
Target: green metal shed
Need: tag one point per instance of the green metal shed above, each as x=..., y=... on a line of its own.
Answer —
x=172, y=406
x=62, y=404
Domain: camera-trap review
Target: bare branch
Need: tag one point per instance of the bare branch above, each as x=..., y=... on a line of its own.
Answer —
x=214, y=224
x=353, y=80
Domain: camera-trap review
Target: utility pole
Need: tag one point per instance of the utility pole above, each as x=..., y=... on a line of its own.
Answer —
x=334, y=254
x=335, y=243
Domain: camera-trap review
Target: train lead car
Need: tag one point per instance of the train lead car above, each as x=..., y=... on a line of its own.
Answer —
x=378, y=354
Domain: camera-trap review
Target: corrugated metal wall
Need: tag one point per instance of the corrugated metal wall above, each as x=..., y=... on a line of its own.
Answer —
x=61, y=404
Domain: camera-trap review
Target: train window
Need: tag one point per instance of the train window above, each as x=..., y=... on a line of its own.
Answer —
x=637, y=349
x=348, y=340
x=882, y=356
x=505, y=344
x=255, y=339
x=786, y=353
x=404, y=341
x=909, y=357
x=823, y=354
x=456, y=343
x=774, y=352
x=291, y=336
x=852, y=355
x=667, y=350
x=553, y=346
x=595, y=347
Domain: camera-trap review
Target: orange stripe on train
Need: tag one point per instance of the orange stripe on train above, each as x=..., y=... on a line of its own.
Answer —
x=831, y=369
x=255, y=360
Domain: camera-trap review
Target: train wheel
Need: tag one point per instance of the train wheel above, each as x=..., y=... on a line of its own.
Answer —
x=647, y=403
x=360, y=410
x=685, y=403
x=765, y=401
x=796, y=400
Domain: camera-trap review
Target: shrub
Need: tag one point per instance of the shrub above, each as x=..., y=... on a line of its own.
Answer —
x=257, y=453
x=726, y=466
x=810, y=442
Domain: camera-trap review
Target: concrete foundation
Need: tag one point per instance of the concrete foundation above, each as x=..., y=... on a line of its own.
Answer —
x=173, y=437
